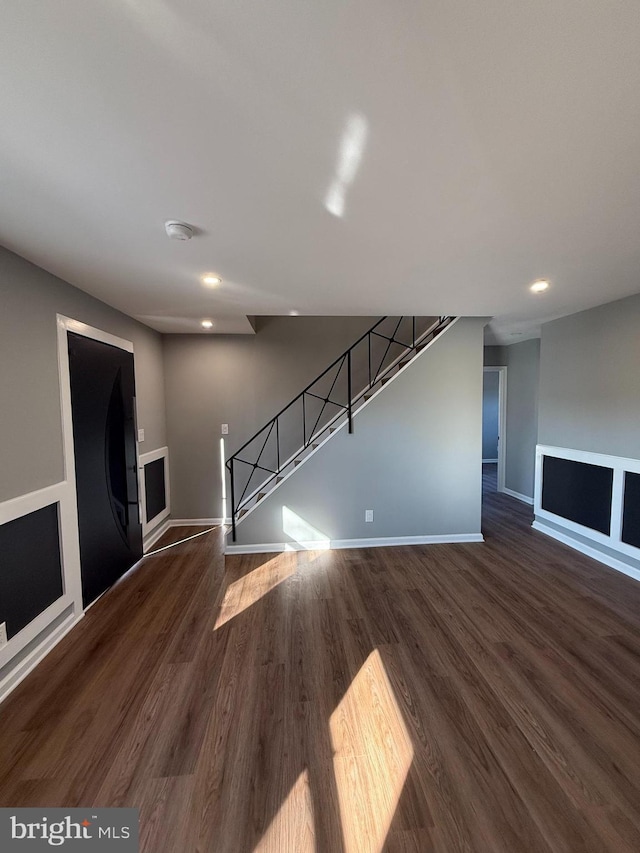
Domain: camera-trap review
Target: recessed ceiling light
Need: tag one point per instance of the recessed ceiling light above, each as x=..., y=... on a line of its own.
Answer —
x=207, y=324
x=294, y=313
x=211, y=279
x=539, y=286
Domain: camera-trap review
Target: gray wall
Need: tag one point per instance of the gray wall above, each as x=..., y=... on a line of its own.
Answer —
x=523, y=364
x=590, y=380
x=415, y=457
x=30, y=421
x=242, y=381
x=495, y=356
x=490, y=413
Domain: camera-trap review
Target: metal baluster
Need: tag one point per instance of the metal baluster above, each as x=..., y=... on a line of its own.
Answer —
x=349, y=390
x=233, y=502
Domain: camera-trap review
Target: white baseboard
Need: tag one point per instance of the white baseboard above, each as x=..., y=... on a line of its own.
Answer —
x=517, y=495
x=587, y=550
x=196, y=522
x=153, y=538
x=37, y=655
x=489, y=461
x=338, y=544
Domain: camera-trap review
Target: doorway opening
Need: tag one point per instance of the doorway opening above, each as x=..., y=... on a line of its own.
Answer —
x=494, y=423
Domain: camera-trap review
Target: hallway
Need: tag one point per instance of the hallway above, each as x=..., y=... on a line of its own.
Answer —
x=431, y=698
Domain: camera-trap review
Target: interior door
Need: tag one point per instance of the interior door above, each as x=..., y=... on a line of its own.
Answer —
x=104, y=437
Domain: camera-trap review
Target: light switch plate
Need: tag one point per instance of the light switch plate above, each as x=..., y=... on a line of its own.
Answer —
x=225, y=429
x=368, y=515
x=140, y=435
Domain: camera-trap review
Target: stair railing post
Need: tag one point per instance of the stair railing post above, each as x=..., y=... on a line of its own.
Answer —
x=349, y=390
x=233, y=502
x=414, y=333
x=304, y=422
x=278, y=442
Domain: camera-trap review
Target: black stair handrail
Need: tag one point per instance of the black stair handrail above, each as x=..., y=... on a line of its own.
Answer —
x=344, y=359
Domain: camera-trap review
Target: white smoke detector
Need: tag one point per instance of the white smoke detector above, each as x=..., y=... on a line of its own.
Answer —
x=178, y=230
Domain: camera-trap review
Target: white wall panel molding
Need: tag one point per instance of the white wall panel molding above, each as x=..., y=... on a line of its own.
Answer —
x=62, y=496
x=619, y=465
x=143, y=460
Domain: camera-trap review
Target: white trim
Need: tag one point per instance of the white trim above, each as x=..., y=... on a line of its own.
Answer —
x=501, y=370
x=31, y=661
x=594, y=553
x=489, y=461
x=62, y=496
x=617, y=505
x=519, y=496
x=339, y=544
x=606, y=460
x=79, y=328
x=151, y=540
x=26, y=504
x=619, y=465
x=145, y=459
x=34, y=628
x=196, y=522
x=65, y=325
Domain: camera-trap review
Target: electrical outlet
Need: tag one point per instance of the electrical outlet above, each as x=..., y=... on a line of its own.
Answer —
x=140, y=435
x=3, y=634
x=225, y=429
x=368, y=515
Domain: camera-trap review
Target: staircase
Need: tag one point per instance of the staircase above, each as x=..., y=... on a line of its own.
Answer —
x=325, y=406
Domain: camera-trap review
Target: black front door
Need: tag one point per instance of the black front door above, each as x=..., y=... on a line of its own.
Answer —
x=103, y=401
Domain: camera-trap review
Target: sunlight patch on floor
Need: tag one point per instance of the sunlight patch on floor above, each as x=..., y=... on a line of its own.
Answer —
x=292, y=829
x=249, y=589
x=372, y=756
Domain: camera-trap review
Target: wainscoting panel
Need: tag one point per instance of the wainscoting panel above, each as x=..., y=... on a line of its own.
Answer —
x=631, y=510
x=595, y=495
x=31, y=576
x=578, y=491
x=154, y=488
x=40, y=590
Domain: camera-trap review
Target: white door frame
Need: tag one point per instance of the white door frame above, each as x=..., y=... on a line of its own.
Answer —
x=502, y=421
x=67, y=324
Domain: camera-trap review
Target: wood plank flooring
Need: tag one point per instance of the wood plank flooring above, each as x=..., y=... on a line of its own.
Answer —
x=441, y=698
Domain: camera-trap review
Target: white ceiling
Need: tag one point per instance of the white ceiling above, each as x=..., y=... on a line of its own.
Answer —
x=484, y=145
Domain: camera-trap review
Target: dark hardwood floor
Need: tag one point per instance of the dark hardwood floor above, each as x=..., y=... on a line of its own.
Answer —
x=441, y=698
